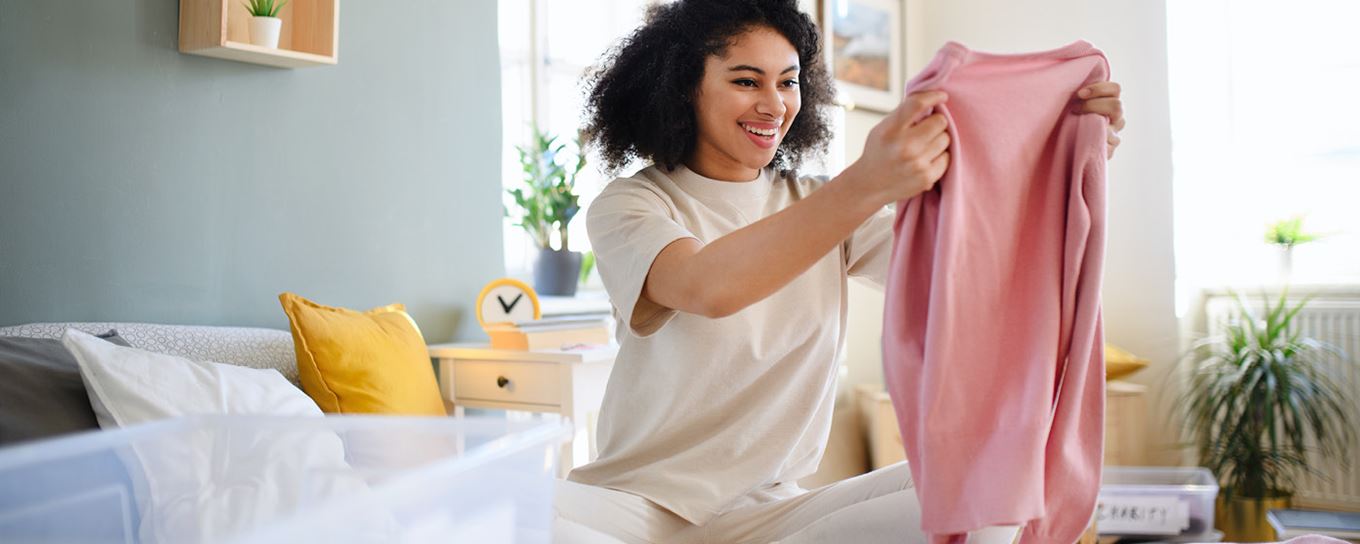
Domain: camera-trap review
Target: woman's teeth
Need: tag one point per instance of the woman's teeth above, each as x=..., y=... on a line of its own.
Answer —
x=766, y=132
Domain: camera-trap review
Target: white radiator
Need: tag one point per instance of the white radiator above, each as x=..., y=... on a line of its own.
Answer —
x=1332, y=316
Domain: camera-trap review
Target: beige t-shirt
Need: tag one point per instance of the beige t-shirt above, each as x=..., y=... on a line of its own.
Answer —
x=704, y=415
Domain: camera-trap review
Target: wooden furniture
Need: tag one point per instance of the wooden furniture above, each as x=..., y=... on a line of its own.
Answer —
x=570, y=383
x=220, y=28
x=879, y=422
x=1125, y=418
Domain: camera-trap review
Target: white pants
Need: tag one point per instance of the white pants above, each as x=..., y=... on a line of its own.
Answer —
x=876, y=507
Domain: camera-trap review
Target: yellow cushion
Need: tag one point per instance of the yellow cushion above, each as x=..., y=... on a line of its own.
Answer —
x=1120, y=363
x=372, y=362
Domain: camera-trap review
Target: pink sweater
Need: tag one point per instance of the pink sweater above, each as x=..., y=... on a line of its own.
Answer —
x=992, y=337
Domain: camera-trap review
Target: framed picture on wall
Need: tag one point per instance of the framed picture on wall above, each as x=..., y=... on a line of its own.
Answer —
x=863, y=39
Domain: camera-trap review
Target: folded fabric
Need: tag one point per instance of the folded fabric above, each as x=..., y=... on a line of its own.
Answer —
x=42, y=394
x=227, y=478
x=224, y=478
x=992, y=335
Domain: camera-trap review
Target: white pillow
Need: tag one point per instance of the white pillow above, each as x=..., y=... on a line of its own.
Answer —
x=128, y=386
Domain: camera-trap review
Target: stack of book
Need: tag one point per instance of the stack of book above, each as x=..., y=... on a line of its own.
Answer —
x=1294, y=523
x=554, y=333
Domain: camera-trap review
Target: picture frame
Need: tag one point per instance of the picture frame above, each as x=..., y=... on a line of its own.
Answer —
x=863, y=45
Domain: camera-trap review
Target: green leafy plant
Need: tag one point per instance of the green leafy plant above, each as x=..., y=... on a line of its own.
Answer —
x=1259, y=396
x=548, y=200
x=1289, y=233
x=587, y=265
x=264, y=8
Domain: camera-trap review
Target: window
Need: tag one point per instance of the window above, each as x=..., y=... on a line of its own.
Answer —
x=546, y=46
x=1264, y=127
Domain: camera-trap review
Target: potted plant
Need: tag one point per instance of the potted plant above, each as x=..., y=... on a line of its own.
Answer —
x=264, y=22
x=1287, y=233
x=1258, y=398
x=547, y=203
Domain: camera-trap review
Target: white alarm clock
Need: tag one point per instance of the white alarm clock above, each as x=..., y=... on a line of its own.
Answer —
x=507, y=300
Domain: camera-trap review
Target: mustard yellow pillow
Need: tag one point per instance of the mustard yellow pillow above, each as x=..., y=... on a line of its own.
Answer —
x=1120, y=363
x=372, y=362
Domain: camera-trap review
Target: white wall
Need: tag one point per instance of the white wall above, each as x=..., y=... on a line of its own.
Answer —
x=1139, y=267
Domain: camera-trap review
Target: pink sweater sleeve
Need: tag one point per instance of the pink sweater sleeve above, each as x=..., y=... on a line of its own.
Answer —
x=992, y=340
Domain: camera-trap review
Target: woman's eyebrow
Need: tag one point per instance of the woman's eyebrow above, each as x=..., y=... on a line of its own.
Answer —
x=749, y=68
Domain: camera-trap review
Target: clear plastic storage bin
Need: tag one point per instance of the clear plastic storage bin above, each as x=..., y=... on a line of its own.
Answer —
x=286, y=479
x=1174, y=502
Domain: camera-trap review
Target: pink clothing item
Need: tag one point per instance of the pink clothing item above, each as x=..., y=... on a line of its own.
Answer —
x=992, y=337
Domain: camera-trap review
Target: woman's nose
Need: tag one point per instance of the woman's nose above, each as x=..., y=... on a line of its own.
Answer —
x=771, y=103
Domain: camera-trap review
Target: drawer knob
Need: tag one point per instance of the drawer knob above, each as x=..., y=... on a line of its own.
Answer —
x=502, y=381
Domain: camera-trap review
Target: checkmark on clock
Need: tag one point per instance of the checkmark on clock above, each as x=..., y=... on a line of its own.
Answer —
x=511, y=305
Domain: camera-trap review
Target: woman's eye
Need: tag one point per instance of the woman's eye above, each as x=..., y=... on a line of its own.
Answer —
x=791, y=83
x=745, y=82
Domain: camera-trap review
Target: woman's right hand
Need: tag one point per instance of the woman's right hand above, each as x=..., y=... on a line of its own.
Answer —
x=902, y=159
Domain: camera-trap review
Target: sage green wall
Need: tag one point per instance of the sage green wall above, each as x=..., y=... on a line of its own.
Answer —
x=141, y=184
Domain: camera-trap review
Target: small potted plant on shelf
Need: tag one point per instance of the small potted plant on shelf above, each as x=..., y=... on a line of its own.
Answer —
x=547, y=203
x=1287, y=233
x=264, y=22
x=1258, y=399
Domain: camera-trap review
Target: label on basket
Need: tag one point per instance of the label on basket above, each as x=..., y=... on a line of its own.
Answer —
x=1142, y=515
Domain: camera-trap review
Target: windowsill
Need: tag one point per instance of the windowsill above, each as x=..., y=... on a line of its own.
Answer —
x=1320, y=289
x=585, y=301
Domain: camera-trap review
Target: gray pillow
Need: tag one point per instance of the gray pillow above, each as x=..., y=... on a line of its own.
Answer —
x=41, y=393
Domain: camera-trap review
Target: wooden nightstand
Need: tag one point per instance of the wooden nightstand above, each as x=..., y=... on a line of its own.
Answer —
x=1125, y=418
x=570, y=383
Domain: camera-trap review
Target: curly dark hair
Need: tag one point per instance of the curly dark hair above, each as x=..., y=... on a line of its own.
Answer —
x=639, y=103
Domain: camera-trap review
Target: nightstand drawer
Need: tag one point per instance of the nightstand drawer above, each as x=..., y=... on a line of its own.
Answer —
x=501, y=381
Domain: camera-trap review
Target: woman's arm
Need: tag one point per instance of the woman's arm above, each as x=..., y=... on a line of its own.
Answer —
x=901, y=159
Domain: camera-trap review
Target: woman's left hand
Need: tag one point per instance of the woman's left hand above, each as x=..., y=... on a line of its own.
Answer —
x=1103, y=98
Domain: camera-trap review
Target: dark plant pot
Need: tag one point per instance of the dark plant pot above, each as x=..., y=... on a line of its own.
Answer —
x=557, y=272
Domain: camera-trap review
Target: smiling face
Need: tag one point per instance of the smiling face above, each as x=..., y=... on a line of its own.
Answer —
x=744, y=105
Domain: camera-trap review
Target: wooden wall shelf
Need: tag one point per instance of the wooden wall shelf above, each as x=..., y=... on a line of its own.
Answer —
x=221, y=29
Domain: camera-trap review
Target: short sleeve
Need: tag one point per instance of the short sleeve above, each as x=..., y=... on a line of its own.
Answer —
x=869, y=249
x=629, y=224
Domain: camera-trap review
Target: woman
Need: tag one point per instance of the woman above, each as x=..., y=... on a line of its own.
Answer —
x=728, y=273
